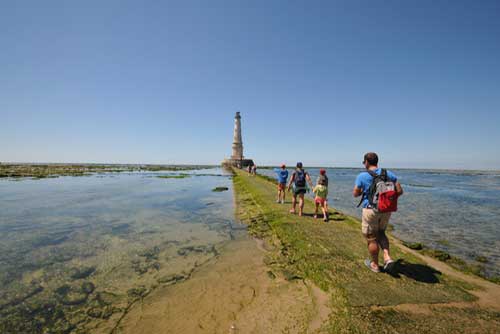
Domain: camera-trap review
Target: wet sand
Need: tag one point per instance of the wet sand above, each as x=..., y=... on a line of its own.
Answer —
x=232, y=294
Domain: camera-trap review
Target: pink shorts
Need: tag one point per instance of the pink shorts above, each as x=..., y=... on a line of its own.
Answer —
x=320, y=201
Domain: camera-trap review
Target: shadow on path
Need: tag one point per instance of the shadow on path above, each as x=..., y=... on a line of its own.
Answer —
x=418, y=272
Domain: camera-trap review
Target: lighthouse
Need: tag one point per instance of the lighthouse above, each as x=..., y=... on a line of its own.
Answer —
x=237, y=142
x=237, y=158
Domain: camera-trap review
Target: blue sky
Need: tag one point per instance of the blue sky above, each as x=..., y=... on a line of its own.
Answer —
x=317, y=81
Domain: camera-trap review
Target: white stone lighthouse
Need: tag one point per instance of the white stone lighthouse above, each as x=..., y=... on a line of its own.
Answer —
x=237, y=142
x=237, y=159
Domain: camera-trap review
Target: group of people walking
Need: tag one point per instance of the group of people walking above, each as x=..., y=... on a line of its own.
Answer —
x=378, y=188
x=252, y=169
x=298, y=185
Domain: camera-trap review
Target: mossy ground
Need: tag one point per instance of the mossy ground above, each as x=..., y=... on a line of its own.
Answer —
x=331, y=255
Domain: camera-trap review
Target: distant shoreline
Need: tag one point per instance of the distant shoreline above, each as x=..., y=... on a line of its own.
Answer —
x=40, y=171
x=193, y=166
x=440, y=170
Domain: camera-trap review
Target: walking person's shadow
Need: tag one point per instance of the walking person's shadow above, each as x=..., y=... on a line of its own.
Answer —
x=418, y=272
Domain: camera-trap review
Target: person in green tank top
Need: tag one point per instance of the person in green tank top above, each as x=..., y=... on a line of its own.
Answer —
x=321, y=191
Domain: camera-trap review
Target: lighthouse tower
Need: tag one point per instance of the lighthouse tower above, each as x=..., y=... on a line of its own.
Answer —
x=237, y=159
x=237, y=142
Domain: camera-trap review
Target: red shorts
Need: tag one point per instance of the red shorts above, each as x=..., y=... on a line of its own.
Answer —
x=320, y=201
x=281, y=186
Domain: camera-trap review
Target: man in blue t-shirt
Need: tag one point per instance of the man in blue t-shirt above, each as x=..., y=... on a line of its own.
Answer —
x=282, y=176
x=374, y=224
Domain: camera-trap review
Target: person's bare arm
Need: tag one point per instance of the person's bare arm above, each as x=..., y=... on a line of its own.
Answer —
x=290, y=182
x=308, y=178
x=399, y=189
x=356, y=192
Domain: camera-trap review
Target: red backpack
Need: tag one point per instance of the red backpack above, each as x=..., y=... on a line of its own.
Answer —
x=382, y=194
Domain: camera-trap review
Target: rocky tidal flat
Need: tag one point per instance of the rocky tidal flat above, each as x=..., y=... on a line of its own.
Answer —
x=40, y=171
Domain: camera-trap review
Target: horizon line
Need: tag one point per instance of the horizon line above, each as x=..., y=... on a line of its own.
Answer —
x=261, y=166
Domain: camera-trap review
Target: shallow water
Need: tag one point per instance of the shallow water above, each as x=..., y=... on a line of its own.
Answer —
x=90, y=246
x=455, y=211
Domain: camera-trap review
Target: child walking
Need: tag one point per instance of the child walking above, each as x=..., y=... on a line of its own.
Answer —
x=321, y=191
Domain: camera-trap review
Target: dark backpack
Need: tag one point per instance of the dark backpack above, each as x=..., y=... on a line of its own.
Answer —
x=300, y=179
x=382, y=195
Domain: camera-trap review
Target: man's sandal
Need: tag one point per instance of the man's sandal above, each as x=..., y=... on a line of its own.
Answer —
x=368, y=263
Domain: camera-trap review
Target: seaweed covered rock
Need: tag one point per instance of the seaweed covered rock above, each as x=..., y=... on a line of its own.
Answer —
x=413, y=245
x=74, y=295
x=207, y=249
x=439, y=254
x=88, y=287
x=100, y=312
x=177, y=176
x=151, y=253
x=220, y=189
x=139, y=292
x=481, y=259
x=82, y=272
x=106, y=298
x=172, y=279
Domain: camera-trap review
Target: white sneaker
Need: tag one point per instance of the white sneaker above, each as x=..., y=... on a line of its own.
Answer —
x=282, y=201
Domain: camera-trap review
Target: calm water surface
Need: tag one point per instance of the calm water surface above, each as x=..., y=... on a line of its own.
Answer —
x=75, y=252
x=456, y=211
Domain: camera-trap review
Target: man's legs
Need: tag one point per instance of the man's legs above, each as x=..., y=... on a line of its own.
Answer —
x=301, y=204
x=373, y=250
x=382, y=239
x=316, y=205
x=383, y=242
x=294, y=202
x=369, y=227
